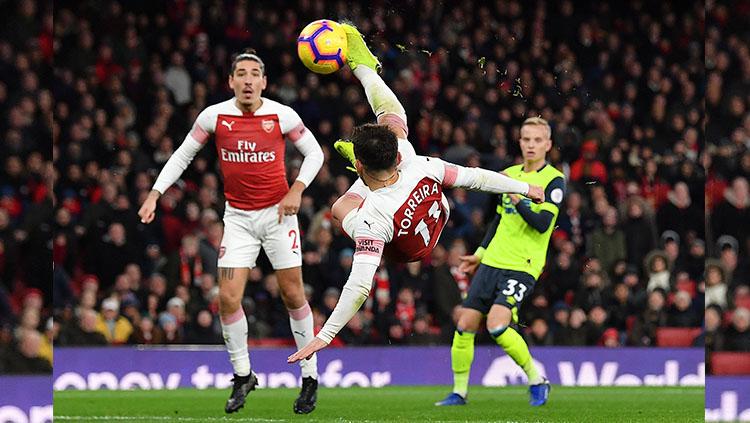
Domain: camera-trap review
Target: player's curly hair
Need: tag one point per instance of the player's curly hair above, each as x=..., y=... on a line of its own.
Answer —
x=247, y=54
x=375, y=146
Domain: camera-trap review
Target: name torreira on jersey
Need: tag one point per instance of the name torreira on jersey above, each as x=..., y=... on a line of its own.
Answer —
x=413, y=202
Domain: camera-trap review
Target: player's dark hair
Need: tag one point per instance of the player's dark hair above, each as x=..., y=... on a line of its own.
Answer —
x=247, y=54
x=375, y=146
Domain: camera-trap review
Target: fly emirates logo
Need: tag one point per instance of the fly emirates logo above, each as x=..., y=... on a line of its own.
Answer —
x=246, y=154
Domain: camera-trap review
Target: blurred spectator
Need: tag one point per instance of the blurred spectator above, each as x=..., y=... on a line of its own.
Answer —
x=681, y=313
x=621, y=307
x=716, y=287
x=146, y=333
x=422, y=333
x=358, y=331
x=112, y=255
x=596, y=325
x=592, y=292
x=587, y=169
x=203, y=330
x=168, y=325
x=115, y=328
x=640, y=234
x=655, y=315
x=657, y=263
x=738, y=335
x=26, y=357
x=575, y=334
x=731, y=216
x=680, y=215
x=610, y=338
x=84, y=332
x=607, y=243
x=446, y=294
x=539, y=334
x=714, y=333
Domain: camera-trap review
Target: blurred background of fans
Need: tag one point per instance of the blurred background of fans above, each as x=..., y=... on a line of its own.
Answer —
x=26, y=178
x=621, y=82
x=727, y=158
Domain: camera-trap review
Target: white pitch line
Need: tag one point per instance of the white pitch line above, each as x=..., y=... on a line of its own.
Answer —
x=164, y=418
x=229, y=419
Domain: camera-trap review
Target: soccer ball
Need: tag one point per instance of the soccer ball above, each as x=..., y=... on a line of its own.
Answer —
x=322, y=46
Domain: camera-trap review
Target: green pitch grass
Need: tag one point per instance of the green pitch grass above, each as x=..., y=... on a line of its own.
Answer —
x=388, y=404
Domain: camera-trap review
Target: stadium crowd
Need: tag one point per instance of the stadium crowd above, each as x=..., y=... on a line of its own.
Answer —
x=727, y=318
x=26, y=107
x=621, y=83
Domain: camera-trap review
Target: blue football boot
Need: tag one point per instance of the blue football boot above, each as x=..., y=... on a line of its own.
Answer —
x=452, y=399
x=539, y=393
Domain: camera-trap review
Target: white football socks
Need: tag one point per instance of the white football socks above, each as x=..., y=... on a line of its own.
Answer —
x=301, y=321
x=382, y=100
x=234, y=329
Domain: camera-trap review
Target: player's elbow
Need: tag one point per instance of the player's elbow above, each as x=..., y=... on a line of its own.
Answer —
x=317, y=157
x=541, y=228
x=543, y=222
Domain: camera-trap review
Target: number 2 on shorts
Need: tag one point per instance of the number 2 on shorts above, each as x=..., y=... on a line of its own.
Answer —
x=293, y=233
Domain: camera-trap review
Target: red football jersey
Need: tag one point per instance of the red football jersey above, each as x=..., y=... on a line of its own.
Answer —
x=404, y=221
x=251, y=150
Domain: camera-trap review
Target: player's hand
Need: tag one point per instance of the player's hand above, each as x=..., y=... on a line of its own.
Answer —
x=536, y=193
x=469, y=263
x=289, y=205
x=148, y=209
x=307, y=351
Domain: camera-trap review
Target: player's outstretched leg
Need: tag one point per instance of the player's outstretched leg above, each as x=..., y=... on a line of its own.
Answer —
x=357, y=51
x=514, y=345
x=241, y=387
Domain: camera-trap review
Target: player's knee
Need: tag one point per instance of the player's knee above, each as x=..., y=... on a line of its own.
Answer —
x=496, y=331
x=229, y=300
x=467, y=323
x=293, y=298
x=499, y=316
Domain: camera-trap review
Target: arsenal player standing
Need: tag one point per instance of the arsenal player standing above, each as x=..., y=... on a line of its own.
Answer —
x=261, y=208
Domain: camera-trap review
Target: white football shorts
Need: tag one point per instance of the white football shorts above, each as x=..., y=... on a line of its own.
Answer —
x=246, y=231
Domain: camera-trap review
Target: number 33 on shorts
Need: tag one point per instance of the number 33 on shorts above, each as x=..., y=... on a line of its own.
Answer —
x=515, y=289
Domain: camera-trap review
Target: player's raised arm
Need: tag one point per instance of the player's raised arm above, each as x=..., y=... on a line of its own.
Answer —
x=177, y=163
x=365, y=65
x=369, y=250
x=478, y=179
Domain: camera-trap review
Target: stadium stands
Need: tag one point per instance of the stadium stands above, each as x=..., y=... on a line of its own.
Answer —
x=728, y=162
x=26, y=177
